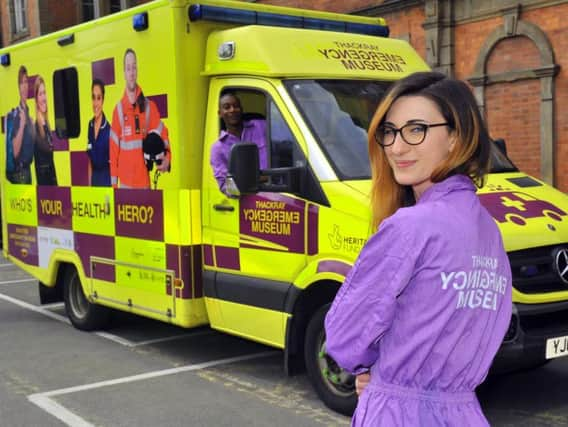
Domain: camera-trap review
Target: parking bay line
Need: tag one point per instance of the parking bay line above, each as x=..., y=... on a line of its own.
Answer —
x=111, y=337
x=35, y=308
x=44, y=400
x=9, y=282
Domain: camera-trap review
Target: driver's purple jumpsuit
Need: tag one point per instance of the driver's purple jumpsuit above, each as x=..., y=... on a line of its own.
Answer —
x=425, y=308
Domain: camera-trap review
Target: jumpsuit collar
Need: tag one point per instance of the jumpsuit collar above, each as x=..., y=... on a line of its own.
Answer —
x=450, y=184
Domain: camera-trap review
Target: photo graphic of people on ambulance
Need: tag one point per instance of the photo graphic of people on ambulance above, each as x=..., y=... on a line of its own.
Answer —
x=98, y=139
x=19, y=136
x=43, y=144
x=138, y=137
x=236, y=129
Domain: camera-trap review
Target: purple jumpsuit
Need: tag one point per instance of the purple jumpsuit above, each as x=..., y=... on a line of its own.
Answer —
x=425, y=308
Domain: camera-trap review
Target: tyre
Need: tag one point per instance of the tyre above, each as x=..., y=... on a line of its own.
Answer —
x=334, y=386
x=49, y=295
x=83, y=314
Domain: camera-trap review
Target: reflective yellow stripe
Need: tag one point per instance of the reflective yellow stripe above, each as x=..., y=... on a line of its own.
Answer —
x=114, y=137
x=120, y=116
x=135, y=144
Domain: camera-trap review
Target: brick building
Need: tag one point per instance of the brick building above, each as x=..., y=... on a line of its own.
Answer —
x=24, y=19
x=512, y=52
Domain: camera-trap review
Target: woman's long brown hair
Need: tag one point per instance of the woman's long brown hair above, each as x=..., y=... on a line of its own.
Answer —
x=38, y=82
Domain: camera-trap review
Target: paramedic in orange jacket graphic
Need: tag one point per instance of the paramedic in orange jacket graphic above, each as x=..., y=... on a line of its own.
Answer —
x=133, y=118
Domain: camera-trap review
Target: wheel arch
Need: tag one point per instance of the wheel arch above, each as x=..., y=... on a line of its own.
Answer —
x=304, y=305
x=51, y=287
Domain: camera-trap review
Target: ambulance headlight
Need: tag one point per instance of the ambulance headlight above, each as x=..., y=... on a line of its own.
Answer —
x=226, y=51
x=5, y=59
x=140, y=21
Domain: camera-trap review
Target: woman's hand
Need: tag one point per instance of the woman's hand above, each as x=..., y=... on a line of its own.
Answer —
x=361, y=381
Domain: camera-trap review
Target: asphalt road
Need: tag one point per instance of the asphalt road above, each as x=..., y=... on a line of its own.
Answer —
x=145, y=373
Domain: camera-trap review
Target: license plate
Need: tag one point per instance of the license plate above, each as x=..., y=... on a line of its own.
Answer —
x=556, y=347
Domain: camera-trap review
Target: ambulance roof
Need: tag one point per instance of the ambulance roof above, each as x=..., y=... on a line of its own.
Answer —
x=289, y=52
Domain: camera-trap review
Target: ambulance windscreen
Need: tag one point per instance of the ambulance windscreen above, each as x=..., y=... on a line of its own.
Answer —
x=338, y=113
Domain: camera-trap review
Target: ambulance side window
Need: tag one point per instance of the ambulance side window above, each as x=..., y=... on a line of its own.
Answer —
x=66, y=99
x=286, y=153
x=284, y=150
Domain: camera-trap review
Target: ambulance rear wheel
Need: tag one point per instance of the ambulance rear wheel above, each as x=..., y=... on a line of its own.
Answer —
x=334, y=386
x=83, y=314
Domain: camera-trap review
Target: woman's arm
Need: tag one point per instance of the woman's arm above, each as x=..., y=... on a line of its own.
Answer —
x=365, y=304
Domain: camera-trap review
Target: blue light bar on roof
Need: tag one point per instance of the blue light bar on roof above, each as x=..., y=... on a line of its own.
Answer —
x=5, y=59
x=199, y=12
x=279, y=20
x=324, y=24
x=140, y=21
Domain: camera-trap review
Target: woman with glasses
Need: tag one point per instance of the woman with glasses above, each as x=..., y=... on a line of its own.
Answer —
x=426, y=306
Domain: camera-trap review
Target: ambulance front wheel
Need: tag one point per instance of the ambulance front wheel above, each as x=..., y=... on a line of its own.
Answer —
x=81, y=312
x=334, y=386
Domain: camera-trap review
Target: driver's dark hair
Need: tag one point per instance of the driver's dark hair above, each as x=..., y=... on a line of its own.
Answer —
x=229, y=92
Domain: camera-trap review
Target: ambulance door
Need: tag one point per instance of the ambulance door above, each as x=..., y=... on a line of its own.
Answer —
x=254, y=245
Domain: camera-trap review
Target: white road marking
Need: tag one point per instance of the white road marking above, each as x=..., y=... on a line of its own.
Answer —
x=111, y=337
x=58, y=411
x=44, y=401
x=35, y=309
x=115, y=338
x=60, y=318
x=7, y=282
x=53, y=305
x=173, y=337
x=7, y=265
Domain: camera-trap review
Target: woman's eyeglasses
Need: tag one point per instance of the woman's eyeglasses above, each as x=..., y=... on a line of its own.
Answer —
x=411, y=133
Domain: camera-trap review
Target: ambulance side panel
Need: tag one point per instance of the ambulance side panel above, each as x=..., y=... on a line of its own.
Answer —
x=136, y=250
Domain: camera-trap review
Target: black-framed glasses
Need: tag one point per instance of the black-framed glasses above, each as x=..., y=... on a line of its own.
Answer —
x=412, y=133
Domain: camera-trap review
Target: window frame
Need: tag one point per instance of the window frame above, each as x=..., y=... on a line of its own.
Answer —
x=19, y=17
x=101, y=8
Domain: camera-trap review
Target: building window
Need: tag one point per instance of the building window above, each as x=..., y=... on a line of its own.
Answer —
x=18, y=16
x=91, y=10
x=117, y=5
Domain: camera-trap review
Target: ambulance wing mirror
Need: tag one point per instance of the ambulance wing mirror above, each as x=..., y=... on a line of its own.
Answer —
x=244, y=171
x=245, y=176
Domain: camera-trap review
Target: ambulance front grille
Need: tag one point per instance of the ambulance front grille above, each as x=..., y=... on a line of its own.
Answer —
x=533, y=270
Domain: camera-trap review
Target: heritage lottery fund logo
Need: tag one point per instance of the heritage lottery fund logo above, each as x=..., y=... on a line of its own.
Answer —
x=479, y=287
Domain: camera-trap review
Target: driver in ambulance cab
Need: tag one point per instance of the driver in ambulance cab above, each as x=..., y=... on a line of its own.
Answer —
x=236, y=130
x=134, y=117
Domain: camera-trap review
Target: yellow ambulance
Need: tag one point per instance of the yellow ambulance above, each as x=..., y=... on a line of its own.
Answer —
x=112, y=195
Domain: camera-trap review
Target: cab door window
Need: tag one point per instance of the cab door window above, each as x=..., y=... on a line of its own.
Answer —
x=284, y=149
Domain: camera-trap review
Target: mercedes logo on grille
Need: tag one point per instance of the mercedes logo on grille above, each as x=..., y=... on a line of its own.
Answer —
x=561, y=264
